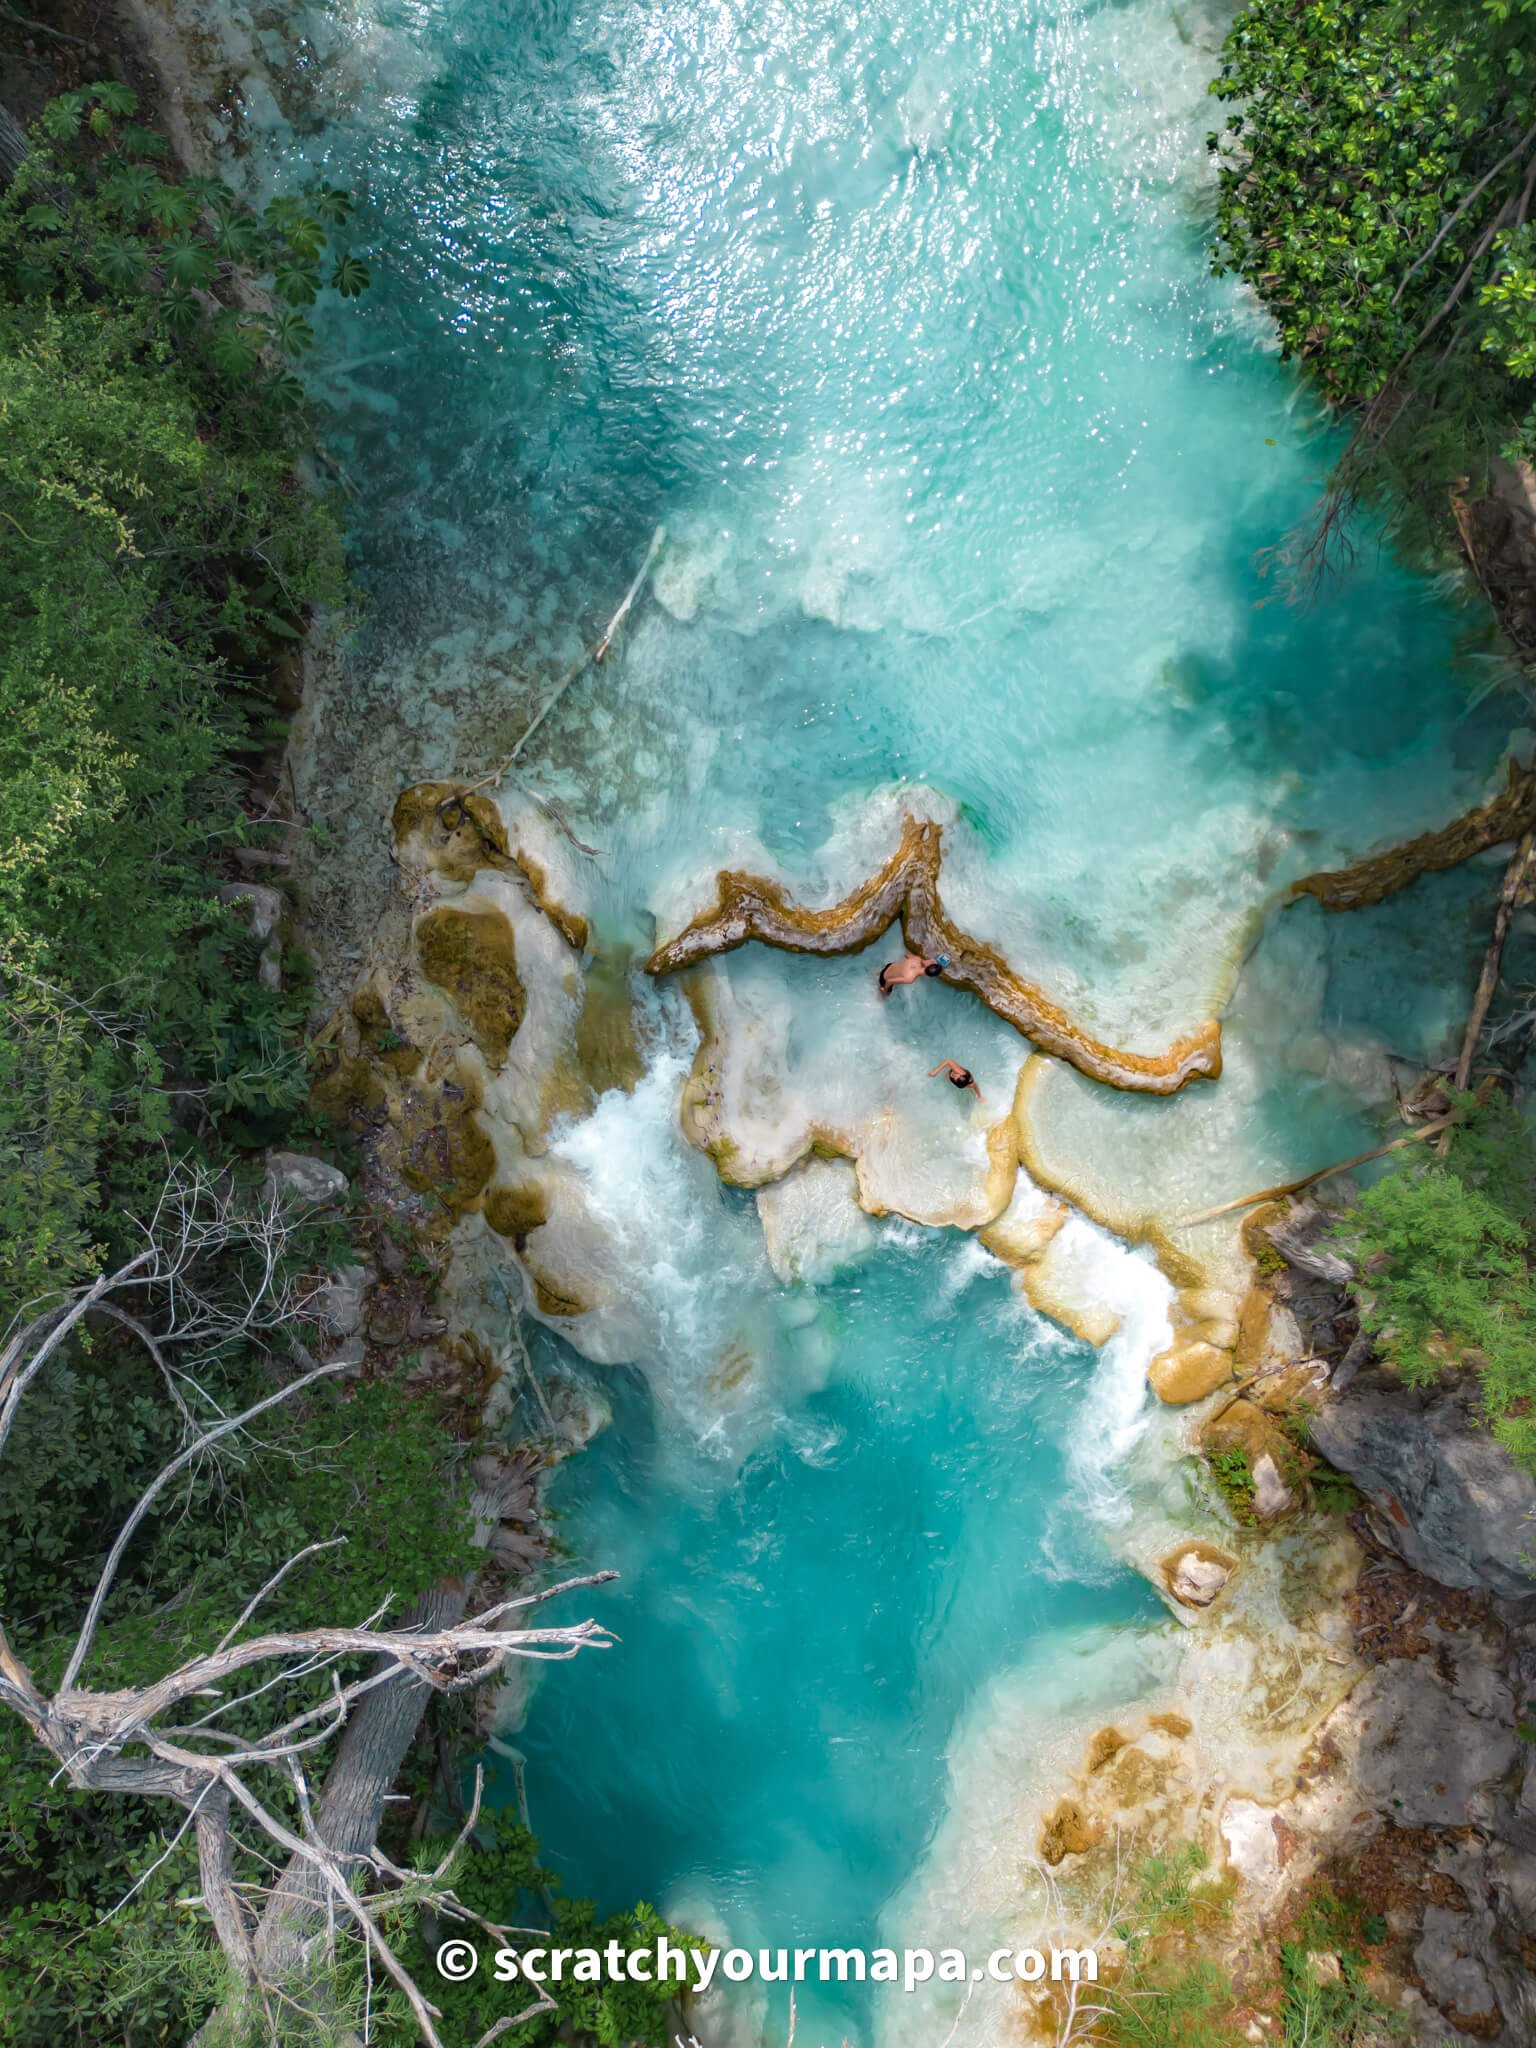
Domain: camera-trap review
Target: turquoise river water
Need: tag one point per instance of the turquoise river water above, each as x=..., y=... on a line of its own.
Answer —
x=897, y=316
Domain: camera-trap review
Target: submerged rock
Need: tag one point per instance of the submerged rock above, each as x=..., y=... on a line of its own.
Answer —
x=1188, y=1372
x=1453, y=1502
x=812, y=1223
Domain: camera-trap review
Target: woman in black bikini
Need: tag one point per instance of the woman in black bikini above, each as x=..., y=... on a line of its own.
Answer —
x=957, y=1076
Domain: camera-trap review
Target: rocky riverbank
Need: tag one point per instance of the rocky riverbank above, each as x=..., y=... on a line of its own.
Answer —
x=1419, y=1790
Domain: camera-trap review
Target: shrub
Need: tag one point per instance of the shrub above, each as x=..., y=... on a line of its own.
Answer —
x=1444, y=1252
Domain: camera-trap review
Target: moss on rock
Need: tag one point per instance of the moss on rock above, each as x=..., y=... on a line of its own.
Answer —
x=513, y=1211
x=472, y=956
x=1068, y=1832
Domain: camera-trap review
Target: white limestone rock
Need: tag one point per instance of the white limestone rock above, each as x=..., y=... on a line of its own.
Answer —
x=812, y=1223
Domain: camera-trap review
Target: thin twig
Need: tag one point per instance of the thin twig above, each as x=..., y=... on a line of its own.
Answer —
x=1296, y=1187
x=590, y=657
x=1471, y=199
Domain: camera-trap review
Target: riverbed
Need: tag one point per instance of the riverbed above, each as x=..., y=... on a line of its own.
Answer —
x=897, y=322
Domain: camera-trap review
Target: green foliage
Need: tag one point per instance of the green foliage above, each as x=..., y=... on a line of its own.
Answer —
x=158, y=547
x=1371, y=179
x=91, y=211
x=1167, y=1996
x=1510, y=296
x=1234, y=1480
x=502, y=1880
x=1332, y=2012
x=1318, y=2006
x=159, y=550
x=1334, y=1492
x=1444, y=1249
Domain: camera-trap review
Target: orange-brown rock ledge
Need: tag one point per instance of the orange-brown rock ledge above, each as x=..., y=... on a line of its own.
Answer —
x=907, y=887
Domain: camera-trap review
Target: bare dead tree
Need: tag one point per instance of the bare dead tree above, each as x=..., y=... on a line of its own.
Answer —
x=167, y=1739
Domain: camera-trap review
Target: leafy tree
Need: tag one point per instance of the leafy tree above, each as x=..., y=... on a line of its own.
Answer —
x=160, y=546
x=1376, y=182
x=94, y=211
x=502, y=1881
x=1444, y=1250
x=160, y=549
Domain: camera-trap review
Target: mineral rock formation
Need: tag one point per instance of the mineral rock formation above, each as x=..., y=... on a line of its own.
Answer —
x=1500, y=820
x=1196, y=1572
x=907, y=887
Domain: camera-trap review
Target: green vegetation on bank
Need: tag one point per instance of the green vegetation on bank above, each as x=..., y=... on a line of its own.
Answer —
x=160, y=551
x=160, y=554
x=163, y=554
x=1445, y=1251
x=503, y=1881
x=1376, y=187
x=1170, y=1994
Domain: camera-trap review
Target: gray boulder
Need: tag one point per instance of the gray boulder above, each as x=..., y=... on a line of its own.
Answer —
x=1453, y=1503
x=340, y=1300
x=1425, y=1759
x=295, y=1177
x=264, y=908
x=1449, y=1958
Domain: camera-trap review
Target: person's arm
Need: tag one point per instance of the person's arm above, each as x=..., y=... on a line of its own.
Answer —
x=976, y=1091
x=942, y=1068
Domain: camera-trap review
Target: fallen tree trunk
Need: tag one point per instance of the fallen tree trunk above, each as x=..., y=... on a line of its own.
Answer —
x=1515, y=876
x=298, y=1918
x=1500, y=821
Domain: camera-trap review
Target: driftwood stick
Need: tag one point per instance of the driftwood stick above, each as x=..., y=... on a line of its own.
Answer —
x=590, y=657
x=1488, y=980
x=1515, y=876
x=600, y=651
x=1297, y=1187
x=594, y=656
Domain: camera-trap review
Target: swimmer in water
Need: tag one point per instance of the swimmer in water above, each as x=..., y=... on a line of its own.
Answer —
x=957, y=1076
x=910, y=967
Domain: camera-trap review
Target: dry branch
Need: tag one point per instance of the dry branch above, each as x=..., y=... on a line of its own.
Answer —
x=126, y=1741
x=1515, y=878
x=1308, y=1180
